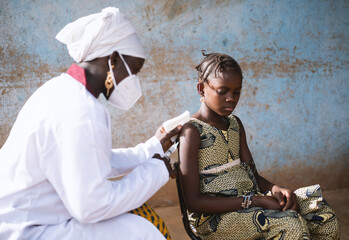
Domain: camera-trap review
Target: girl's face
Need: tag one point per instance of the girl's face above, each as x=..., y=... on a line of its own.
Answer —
x=222, y=94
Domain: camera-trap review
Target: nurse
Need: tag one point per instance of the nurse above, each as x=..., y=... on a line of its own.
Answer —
x=55, y=164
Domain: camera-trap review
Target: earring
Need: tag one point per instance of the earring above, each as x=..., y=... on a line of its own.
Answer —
x=202, y=98
x=109, y=81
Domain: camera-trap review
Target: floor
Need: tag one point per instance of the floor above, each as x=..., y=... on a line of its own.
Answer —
x=337, y=199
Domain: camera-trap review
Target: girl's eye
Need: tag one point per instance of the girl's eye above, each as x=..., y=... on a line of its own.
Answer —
x=237, y=93
x=221, y=92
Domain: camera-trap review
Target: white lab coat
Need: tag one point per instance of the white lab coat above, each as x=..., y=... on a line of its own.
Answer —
x=55, y=165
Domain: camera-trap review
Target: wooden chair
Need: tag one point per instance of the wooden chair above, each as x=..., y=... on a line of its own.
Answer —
x=183, y=207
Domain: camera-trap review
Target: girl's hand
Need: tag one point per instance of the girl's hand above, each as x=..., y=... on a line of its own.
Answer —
x=165, y=137
x=266, y=202
x=286, y=198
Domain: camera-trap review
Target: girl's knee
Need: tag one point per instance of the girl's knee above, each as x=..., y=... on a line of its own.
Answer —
x=327, y=230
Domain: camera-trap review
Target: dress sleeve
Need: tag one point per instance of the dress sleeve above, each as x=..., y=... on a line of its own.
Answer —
x=78, y=165
x=124, y=160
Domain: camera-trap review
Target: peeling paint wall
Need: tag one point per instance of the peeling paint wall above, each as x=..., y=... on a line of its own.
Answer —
x=294, y=55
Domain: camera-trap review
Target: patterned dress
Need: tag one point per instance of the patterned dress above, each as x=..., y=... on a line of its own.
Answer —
x=223, y=175
x=148, y=213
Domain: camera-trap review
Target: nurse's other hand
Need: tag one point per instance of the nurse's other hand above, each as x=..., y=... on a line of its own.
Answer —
x=172, y=172
x=165, y=137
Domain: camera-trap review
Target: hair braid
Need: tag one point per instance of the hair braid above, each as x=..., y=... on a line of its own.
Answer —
x=215, y=63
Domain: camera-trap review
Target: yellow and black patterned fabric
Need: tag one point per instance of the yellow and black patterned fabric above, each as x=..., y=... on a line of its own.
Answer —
x=316, y=219
x=148, y=213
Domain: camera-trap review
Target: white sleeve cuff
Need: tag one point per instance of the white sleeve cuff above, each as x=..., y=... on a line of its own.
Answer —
x=154, y=146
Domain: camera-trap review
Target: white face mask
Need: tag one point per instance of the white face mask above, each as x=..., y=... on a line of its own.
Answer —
x=127, y=92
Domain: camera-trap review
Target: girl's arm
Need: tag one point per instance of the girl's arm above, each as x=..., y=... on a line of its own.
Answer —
x=246, y=156
x=189, y=174
x=286, y=198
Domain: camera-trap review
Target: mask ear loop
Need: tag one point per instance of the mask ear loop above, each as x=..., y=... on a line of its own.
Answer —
x=127, y=68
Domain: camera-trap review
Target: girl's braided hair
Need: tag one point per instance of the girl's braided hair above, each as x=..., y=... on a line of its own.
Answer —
x=216, y=63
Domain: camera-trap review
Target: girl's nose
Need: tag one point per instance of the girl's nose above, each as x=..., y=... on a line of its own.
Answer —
x=233, y=97
x=230, y=98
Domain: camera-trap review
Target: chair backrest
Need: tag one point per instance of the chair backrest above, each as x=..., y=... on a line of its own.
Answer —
x=183, y=207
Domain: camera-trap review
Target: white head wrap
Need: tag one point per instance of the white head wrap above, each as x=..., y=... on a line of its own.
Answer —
x=99, y=35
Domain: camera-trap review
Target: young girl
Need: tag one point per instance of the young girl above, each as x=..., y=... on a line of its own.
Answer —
x=225, y=196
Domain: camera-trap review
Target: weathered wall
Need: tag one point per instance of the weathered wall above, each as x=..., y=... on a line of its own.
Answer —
x=294, y=55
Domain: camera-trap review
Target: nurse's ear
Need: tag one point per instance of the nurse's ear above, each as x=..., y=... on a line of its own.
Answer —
x=114, y=58
x=117, y=66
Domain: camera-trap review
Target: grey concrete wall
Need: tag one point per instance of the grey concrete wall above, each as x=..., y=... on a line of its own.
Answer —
x=294, y=55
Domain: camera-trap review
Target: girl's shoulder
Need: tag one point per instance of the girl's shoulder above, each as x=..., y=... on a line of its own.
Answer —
x=191, y=131
x=235, y=120
x=234, y=123
x=201, y=126
x=196, y=123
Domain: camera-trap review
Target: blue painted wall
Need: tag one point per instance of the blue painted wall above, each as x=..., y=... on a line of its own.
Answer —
x=294, y=55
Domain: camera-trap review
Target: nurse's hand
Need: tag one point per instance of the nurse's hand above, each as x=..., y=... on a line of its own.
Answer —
x=172, y=172
x=165, y=137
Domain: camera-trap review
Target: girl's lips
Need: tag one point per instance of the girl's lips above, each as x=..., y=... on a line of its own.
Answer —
x=229, y=109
